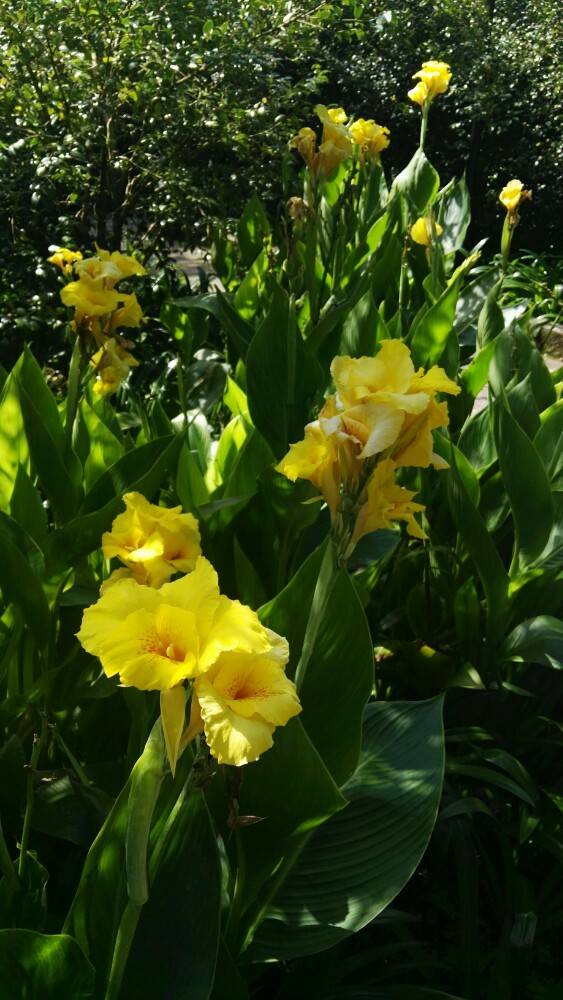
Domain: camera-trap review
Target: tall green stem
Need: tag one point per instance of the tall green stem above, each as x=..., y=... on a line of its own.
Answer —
x=38, y=744
x=6, y=866
x=323, y=590
x=73, y=393
x=423, y=126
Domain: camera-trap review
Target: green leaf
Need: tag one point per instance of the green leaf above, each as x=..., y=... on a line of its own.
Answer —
x=341, y=661
x=14, y=450
x=182, y=914
x=454, y=215
x=474, y=534
x=51, y=463
x=27, y=907
x=252, y=228
x=538, y=640
x=356, y=863
x=282, y=377
x=141, y=470
x=248, y=294
x=362, y=329
x=21, y=568
x=549, y=444
x=290, y=788
x=190, y=486
x=100, y=447
x=152, y=460
x=26, y=507
x=527, y=486
x=50, y=966
x=491, y=319
x=418, y=183
x=431, y=333
x=239, y=332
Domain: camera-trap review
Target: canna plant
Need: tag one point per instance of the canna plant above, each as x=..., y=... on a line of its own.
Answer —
x=244, y=745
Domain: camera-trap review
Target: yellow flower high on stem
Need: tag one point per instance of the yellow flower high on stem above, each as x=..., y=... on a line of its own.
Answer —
x=153, y=542
x=434, y=78
x=64, y=259
x=370, y=138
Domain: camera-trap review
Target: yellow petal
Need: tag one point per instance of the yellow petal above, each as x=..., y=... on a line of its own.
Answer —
x=173, y=714
x=100, y=620
x=152, y=651
x=241, y=700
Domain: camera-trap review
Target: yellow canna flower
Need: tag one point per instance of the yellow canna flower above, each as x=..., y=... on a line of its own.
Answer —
x=153, y=542
x=370, y=138
x=512, y=195
x=421, y=231
x=305, y=142
x=315, y=458
x=64, y=259
x=434, y=77
x=104, y=272
x=155, y=639
x=127, y=266
x=386, y=502
x=336, y=145
x=112, y=363
x=419, y=93
x=128, y=314
x=89, y=297
x=240, y=701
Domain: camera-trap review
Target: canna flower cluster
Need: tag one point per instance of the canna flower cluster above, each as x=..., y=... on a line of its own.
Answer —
x=380, y=419
x=433, y=79
x=152, y=542
x=339, y=141
x=100, y=309
x=158, y=637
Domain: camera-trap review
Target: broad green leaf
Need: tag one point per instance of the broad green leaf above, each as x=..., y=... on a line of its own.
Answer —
x=538, y=640
x=475, y=537
x=124, y=475
x=491, y=319
x=182, y=914
x=290, y=788
x=355, y=864
x=239, y=332
x=50, y=461
x=474, y=377
x=341, y=661
x=418, y=183
x=190, y=851
x=252, y=229
x=248, y=294
x=190, y=486
x=470, y=304
x=282, y=377
x=431, y=333
x=14, y=449
x=549, y=444
x=142, y=470
x=527, y=486
x=101, y=448
x=26, y=907
x=21, y=568
x=31, y=379
x=476, y=441
x=50, y=966
x=454, y=215
x=26, y=507
x=362, y=329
